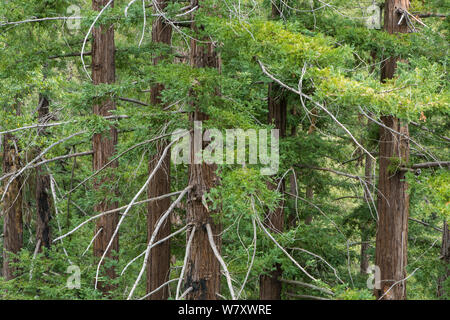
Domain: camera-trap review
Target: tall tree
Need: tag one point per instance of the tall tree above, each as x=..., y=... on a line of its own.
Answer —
x=12, y=204
x=393, y=199
x=43, y=214
x=269, y=285
x=203, y=269
x=158, y=269
x=104, y=144
x=12, y=207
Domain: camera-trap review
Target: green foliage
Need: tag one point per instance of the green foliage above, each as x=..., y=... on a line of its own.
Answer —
x=328, y=54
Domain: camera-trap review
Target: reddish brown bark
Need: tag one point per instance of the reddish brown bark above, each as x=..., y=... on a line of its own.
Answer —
x=12, y=208
x=393, y=210
x=158, y=268
x=391, y=19
x=393, y=199
x=269, y=285
x=203, y=268
x=43, y=209
x=103, y=71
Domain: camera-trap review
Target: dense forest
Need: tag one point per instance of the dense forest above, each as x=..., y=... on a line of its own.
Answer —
x=224, y=149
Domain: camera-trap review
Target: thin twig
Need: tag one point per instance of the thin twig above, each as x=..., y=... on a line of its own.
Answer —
x=186, y=256
x=219, y=258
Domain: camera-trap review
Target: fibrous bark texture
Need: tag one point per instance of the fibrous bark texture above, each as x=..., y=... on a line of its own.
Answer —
x=393, y=199
x=103, y=71
x=269, y=285
x=203, y=268
x=158, y=268
x=12, y=208
x=43, y=209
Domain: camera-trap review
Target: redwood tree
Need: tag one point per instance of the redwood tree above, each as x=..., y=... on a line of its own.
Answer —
x=12, y=207
x=43, y=214
x=269, y=285
x=104, y=144
x=393, y=199
x=203, y=269
x=158, y=268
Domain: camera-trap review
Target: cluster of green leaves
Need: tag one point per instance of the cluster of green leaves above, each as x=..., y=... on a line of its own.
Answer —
x=342, y=61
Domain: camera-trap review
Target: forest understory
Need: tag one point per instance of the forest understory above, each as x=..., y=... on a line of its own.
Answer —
x=224, y=150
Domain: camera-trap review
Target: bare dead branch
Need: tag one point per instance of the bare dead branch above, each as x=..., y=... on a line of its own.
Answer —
x=426, y=224
x=13, y=23
x=11, y=179
x=157, y=227
x=113, y=211
x=153, y=245
x=67, y=156
x=92, y=241
x=430, y=15
x=159, y=288
x=301, y=166
x=114, y=159
x=185, y=293
x=307, y=285
x=302, y=296
x=183, y=269
x=317, y=104
x=67, y=55
x=54, y=124
x=133, y=101
x=219, y=258
x=431, y=165
x=280, y=247
x=252, y=261
x=429, y=130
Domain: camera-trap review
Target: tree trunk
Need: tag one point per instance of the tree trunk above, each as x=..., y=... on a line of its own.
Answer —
x=393, y=199
x=445, y=256
x=269, y=285
x=393, y=210
x=42, y=189
x=158, y=269
x=203, y=269
x=391, y=19
x=12, y=208
x=103, y=71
